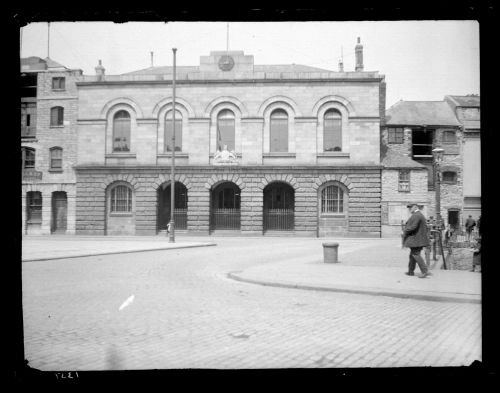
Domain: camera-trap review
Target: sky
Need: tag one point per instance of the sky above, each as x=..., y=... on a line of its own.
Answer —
x=421, y=60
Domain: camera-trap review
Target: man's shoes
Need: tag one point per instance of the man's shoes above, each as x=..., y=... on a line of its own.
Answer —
x=409, y=273
x=423, y=275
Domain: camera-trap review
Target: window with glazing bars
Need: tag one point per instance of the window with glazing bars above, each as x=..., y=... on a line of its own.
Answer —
x=332, y=200
x=279, y=131
x=225, y=130
x=395, y=135
x=168, y=131
x=57, y=116
x=56, y=158
x=449, y=137
x=332, y=131
x=28, y=158
x=121, y=199
x=34, y=206
x=58, y=83
x=121, y=131
x=404, y=181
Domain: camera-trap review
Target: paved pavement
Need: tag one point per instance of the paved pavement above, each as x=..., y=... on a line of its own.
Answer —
x=40, y=248
x=178, y=308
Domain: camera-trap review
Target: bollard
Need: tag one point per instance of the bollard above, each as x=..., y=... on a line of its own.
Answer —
x=330, y=252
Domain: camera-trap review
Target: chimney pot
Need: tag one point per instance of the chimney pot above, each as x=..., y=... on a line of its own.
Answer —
x=359, y=56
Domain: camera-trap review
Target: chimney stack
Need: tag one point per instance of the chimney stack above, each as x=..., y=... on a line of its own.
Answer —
x=359, y=56
x=99, y=70
x=341, y=66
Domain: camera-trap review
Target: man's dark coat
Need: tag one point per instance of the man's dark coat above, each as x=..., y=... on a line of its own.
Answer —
x=415, y=233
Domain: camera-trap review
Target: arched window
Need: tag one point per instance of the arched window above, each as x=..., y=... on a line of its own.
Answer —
x=169, y=122
x=225, y=130
x=27, y=158
x=55, y=158
x=332, y=199
x=332, y=131
x=56, y=116
x=449, y=137
x=279, y=131
x=121, y=199
x=121, y=131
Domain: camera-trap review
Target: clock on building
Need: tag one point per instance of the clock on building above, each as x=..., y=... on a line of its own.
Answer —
x=226, y=63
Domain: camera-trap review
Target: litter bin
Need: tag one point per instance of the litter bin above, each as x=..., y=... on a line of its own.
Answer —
x=330, y=252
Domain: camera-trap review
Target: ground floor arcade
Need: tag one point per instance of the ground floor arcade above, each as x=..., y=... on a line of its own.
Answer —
x=318, y=201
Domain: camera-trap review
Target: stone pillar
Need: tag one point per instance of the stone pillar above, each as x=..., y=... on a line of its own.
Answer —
x=252, y=201
x=46, y=211
x=198, y=209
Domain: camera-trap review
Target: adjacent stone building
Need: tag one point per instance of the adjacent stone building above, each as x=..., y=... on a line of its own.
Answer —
x=467, y=110
x=412, y=130
x=48, y=146
x=259, y=149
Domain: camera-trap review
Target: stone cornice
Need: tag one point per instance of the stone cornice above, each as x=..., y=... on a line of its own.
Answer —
x=239, y=168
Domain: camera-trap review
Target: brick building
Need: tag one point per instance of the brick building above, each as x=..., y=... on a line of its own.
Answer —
x=260, y=149
x=48, y=146
x=412, y=130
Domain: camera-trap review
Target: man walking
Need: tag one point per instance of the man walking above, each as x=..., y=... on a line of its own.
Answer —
x=469, y=226
x=415, y=237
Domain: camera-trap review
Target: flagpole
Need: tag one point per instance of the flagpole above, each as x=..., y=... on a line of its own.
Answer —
x=172, y=177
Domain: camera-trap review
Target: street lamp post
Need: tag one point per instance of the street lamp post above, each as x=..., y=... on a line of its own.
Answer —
x=172, y=175
x=438, y=157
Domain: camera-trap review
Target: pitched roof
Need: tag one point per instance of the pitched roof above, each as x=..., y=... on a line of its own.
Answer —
x=393, y=159
x=419, y=113
x=468, y=100
x=165, y=70
x=34, y=63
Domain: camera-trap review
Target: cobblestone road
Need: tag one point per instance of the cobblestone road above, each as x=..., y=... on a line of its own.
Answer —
x=187, y=314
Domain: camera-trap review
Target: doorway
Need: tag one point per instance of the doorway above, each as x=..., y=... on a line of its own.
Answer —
x=59, y=212
x=180, y=206
x=453, y=218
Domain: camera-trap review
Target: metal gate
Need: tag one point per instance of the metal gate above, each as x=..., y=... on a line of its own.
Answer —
x=225, y=219
x=278, y=219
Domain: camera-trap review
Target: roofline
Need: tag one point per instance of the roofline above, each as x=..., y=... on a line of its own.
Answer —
x=423, y=125
x=207, y=81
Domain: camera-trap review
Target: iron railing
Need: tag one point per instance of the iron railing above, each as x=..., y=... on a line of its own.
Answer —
x=225, y=219
x=278, y=219
x=180, y=218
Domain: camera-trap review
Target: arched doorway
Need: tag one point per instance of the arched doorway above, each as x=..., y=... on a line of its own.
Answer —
x=225, y=207
x=180, y=206
x=59, y=212
x=279, y=206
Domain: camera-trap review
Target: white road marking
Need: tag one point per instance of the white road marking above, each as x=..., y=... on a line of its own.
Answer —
x=127, y=302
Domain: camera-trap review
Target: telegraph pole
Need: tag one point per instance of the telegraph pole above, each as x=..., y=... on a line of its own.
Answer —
x=172, y=175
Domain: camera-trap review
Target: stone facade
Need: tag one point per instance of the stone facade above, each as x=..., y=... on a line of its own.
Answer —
x=363, y=218
x=252, y=94
x=49, y=180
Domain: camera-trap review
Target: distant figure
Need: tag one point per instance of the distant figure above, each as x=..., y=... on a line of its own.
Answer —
x=168, y=227
x=447, y=235
x=469, y=226
x=478, y=224
x=416, y=237
x=476, y=256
